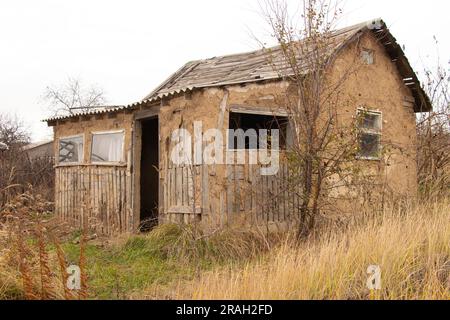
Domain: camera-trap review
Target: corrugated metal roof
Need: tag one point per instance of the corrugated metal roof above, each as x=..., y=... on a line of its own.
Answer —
x=268, y=64
x=88, y=112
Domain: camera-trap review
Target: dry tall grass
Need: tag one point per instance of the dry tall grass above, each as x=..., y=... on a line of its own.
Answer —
x=412, y=248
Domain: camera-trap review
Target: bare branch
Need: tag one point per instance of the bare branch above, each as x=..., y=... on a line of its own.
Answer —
x=73, y=97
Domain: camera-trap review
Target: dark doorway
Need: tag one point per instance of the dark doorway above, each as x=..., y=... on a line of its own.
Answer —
x=149, y=174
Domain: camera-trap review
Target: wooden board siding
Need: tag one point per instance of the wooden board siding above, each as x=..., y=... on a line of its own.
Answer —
x=100, y=194
x=246, y=195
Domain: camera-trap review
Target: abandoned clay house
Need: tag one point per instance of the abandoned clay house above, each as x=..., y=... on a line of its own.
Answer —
x=113, y=166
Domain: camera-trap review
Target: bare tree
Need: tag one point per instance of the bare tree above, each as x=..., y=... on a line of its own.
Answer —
x=433, y=131
x=73, y=97
x=17, y=171
x=324, y=148
x=14, y=136
x=13, y=131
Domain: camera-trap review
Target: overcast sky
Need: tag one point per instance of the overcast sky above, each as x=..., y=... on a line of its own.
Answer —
x=129, y=47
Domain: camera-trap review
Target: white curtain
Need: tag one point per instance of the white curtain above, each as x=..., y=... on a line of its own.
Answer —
x=107, y=147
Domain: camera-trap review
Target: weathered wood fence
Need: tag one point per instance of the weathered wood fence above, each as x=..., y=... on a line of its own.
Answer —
x=100, y=194
x=216, y=195
x=243, y=194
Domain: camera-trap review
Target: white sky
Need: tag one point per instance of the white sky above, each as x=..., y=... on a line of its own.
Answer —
x=129, y=47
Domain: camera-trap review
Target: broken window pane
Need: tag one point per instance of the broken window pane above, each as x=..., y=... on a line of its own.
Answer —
x=71, y=150
x=107, y=147
x=250, y=124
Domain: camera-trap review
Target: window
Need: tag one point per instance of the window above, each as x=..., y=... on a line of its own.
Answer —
x=367, y=56
x=71, y=150
x=251, y=124
x=107, y=147
x=369, y=123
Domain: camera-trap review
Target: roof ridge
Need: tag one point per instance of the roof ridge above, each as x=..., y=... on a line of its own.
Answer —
x=185, y=69
x=251, y=67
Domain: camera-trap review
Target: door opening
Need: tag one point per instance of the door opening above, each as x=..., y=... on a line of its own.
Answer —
x=149, y=184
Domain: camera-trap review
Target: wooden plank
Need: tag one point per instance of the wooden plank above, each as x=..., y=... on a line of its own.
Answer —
x=237, y=190
x=97, y=195
x=70, y=195
x=279, y=112
x=230, y=191
x=205, y=189
x=173, y=189
x=80, y=201
x=122, y=200
x=113, y=197
x=184, y=210
x=191, y=195
x=57, y=186
x=117, y=199
x=165, y=187
x=105, y=206
x=179, y=185
x=253, y=193
x=184, y=189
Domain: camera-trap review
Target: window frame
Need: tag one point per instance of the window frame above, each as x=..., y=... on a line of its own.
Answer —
x=255, y=113
x=107, y=163
x=378, y=133
x=82, y=158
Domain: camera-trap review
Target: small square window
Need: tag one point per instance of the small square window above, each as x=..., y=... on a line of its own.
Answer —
x=107, y=147
x=70, y=150
x=367, y=56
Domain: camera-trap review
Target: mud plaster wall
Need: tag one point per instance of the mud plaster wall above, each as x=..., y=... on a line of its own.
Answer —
x=380, y=87
x=206, y=106
x=376, y=87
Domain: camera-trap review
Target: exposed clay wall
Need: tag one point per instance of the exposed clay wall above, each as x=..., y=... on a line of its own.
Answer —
x=211, y=107
x=379, y=87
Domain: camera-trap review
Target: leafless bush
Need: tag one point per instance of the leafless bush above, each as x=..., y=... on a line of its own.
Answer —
x=322, y=156
x=17, y=171
x=433, y=132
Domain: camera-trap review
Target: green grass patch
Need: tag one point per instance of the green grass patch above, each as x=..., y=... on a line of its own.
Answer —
x=166, y=254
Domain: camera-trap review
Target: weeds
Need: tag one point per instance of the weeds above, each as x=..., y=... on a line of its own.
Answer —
x=410, y=244
x=412, y=248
